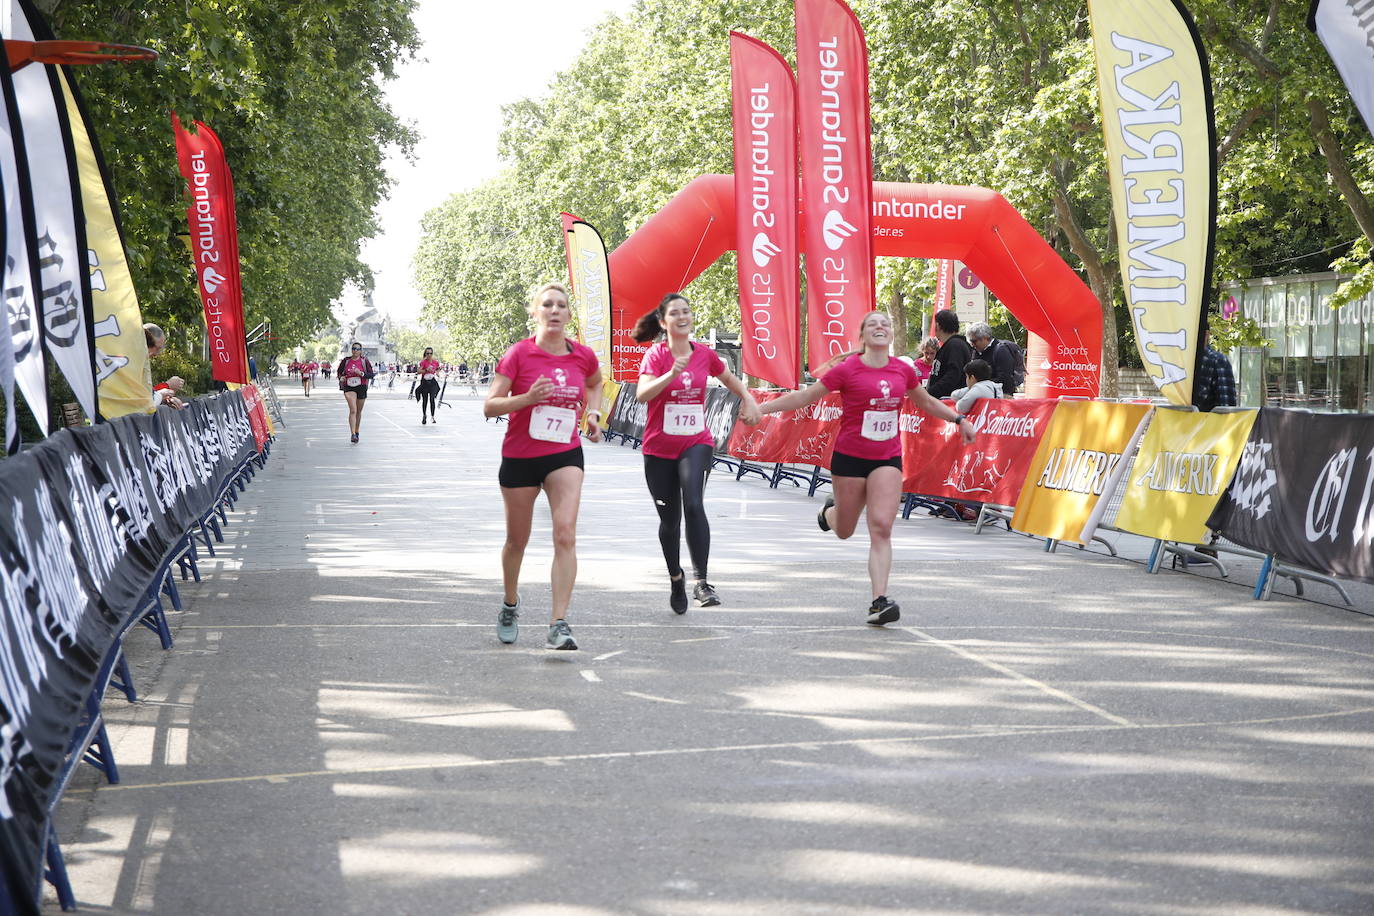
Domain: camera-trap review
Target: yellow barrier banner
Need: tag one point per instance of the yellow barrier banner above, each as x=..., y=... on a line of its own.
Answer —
x=1079, y=459
x=609, y=391
x=1184, y=464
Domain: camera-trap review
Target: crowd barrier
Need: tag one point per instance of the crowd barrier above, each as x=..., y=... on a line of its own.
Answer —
x=1291, y=487
x=94, y=521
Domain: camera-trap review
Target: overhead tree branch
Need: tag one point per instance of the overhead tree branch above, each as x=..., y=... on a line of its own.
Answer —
x=1339, y=167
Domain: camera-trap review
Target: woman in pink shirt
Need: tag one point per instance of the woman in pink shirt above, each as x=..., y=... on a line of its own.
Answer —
x=866, y=466
x=542, y=383
x=428, y=389
x=355, y=374
x=677, y=445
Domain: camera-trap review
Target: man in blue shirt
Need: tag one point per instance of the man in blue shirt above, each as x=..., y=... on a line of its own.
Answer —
x=1215, y=384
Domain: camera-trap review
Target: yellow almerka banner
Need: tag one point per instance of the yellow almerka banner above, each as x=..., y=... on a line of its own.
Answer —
x=1157, y=122
x=592, y=288
x=1078, y=460
x=1184, y=465
x=121, y=353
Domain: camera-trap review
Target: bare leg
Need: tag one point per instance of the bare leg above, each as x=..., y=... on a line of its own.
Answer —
x=850, y=496
x=884, y=489
x=358, y=416
x=519, y=518
x=352, y=398
x=564, y=489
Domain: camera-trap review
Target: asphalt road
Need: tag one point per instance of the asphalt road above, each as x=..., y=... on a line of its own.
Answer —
x=337, y=729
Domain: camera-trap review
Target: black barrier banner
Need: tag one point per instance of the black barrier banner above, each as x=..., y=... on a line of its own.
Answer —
x=722, y=406
x=628, y=417
x=1304, y=492
x=87, y=519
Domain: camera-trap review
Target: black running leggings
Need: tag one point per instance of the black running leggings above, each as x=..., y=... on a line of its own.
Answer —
x=675, y=485
x=428, y=396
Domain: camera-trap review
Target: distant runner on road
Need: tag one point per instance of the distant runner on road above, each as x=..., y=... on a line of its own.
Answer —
x=355, y=373
x=677, y=445
x=866, y=466
x=542, y=383
x=428, y=389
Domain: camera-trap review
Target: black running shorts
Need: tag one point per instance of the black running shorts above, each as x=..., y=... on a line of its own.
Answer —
x=842, y=465
x=530, y=472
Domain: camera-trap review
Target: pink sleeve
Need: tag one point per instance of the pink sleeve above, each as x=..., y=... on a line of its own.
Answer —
x=510, y=362
x=649, y=365
x=717, y=364
x=912, y=379
x=591, y=365
x=835, y=378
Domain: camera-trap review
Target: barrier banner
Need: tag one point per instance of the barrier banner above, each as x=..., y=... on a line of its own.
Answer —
x=87, y=518
x=214, y=248
x=1156, y=98
x=805, y=436
x=1304, y=491
x=1184, y=463
x=59, y=240
x=121, y=353
x=20, y=271
x=764, y=95
x=628, y=417
x=1346, y=28
x=837, y=175
x=722, y=407
x=591, y=281
x=257, y=415
x=936, y=462
x=610, y=389
x=1078, y=456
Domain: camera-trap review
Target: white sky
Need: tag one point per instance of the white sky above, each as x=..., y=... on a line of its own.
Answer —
x=477, y=56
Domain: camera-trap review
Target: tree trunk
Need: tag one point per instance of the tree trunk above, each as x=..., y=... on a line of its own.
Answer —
x=1339, y=168
x=900, y=344
x=1100, y=280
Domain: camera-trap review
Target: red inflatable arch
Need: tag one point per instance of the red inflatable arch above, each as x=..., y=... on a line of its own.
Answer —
x=973, y=225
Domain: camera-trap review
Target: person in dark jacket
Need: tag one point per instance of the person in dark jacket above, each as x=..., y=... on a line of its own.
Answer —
x=996, y=354
x=953, y=355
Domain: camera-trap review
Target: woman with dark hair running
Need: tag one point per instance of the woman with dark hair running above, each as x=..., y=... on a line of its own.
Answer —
x=541, y=383
x=428, y=389
x=355, y=373
x=677, y=445
x=866, y=466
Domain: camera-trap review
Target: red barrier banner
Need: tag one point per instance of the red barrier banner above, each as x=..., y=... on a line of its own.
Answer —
x=257, y=414
x=805, y=436
x=837, y=175
x=764, y=95
x=215, y=248
x=936, y=462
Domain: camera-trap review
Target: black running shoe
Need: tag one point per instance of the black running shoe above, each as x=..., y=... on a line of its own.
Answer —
x=678, y=599
x=883, y=610
x=705, y=595
x=820, y=516
x=423, y=420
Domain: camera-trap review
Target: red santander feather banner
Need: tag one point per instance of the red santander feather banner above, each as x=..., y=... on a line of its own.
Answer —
x=764, y=95
x=215, y=248
x=837, y=175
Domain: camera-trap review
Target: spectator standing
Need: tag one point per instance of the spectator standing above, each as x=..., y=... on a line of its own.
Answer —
x=998, y=354
x=947, y=373
x=925, y=363
x=1215, y=384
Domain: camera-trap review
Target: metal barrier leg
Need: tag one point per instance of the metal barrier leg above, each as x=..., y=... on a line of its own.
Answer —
x=56, y=873
x=1051, y=545
x=169, y=588
x=1266, y=573
x=122, y=680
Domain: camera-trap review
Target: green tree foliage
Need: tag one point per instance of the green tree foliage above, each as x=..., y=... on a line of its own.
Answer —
x=291, y=89
x=997, y=93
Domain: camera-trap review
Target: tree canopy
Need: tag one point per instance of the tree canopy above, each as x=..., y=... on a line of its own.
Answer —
x=998, y=93
x=292, y=91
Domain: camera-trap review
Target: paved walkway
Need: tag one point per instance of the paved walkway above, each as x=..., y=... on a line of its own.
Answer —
x=338, y=731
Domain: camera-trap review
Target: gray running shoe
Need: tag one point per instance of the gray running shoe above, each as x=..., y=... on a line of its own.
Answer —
x=560, y=636
x=506, y=627
x=883, y=610
x=705, y=595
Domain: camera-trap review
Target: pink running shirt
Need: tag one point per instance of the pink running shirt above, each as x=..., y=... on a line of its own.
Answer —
x=550, y=427
x=677, y=417
x=428, y=368
x=872, y=402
